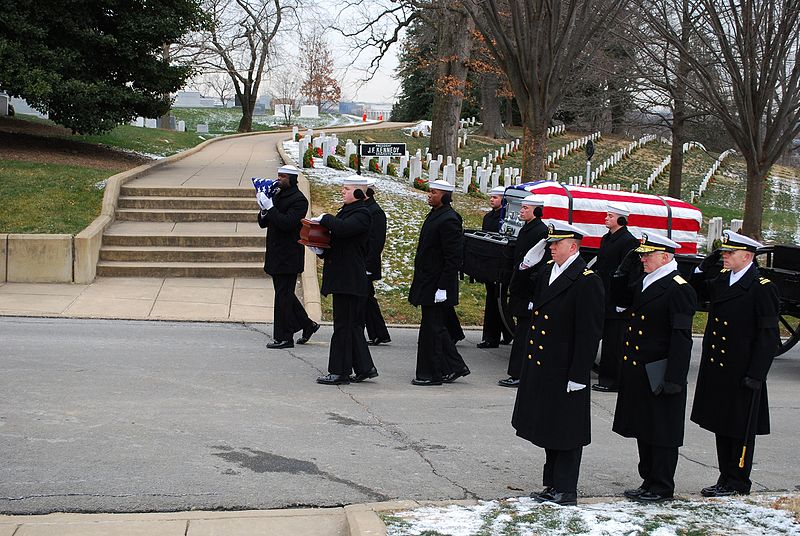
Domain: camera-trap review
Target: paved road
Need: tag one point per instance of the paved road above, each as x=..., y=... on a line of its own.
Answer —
x=155, y=416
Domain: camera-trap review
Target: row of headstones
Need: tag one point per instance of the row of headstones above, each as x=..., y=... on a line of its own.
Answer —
x=464, y=123
x=710, y=173
x=327, y=144
x=556, y=130
x=179, y=126
x=620, y=155
x=715, y=227
x=501, y=153
x=665, y=163
x=570, y=148
x=581, y=181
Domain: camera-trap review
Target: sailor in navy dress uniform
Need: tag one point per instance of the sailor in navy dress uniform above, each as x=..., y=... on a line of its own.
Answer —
x=344, y=275
x=376, y=326
x=740, y=341
x=434, y=288
x=614, y=245
x=530, y=255
x=651, y=403
x=552, y=408
x=493, y=328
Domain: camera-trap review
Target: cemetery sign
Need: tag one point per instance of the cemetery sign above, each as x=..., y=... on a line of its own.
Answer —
x=383, y=149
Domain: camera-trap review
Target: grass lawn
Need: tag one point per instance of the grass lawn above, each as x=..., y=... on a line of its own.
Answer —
x=151, y=141
x=49, y=198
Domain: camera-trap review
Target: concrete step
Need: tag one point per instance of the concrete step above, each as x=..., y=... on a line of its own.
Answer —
x=179, y=269
x=189, y=241
x=179, y=215
x=181, y=254
x=187, y=192
x=193, y=203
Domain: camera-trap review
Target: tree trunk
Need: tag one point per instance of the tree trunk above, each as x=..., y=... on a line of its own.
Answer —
x=534, y=149
x=248, y=105
x=754, y=199
x=509, y=112
x=454, y=43
x=676, y=155
x=490, y=108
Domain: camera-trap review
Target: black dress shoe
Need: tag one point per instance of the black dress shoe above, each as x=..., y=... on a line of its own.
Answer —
x=487, y=344
x=634, y=493
x=371, y=373
x=334, y=379
x=649, y=496
x=277, y=345
x=564, y=498
x=453, y=376
x=509, y=382
x=308, y=331
x=719, y=491
x=545, y=495
x=417, y=381
x=603, y=388
x=709, y=491
x=379, y=340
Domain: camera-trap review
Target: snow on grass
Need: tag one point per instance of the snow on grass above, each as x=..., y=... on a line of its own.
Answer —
x=524, y=516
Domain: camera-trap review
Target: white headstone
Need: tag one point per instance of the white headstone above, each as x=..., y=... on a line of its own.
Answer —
x=294, y=132
x=181, y=126
x=467, y=179
x=140, y=121
x=201, y=127
x=309, y=111
x=450, y=173
x=433, y=170
x=153, y=123
x=483, y=179
x=415, y=168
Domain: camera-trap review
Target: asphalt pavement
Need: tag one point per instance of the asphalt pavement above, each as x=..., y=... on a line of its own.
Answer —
x=144, y=416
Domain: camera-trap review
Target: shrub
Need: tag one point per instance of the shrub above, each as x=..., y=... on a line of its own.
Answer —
x=340, y=150
x=391, y=169
x=334, y=163
x=406, y=172
x=308, y=158
x=422, y=184
x=297, y=137
x=353, y=163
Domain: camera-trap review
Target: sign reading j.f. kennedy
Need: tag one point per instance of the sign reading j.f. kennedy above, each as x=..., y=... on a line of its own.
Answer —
x=383, y=149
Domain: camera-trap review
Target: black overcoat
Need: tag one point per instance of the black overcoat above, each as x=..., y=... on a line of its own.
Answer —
x=523, y=282
x=659, y=327
x=492, y=221
x=566, y=326
x=438, y=258
x=284, y=255
x=613, y=248
x=377, y=238
x=344, y=269
x=741, y=339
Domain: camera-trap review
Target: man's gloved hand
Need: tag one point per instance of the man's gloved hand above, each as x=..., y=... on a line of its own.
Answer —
x=574, y=386
x=264, y=202
x=441, y=295
x=317, y=218
x=530, y=306
x=534, y=255
x=751, y=383
x=316, y=250
x=631, y=264
x=710, y=261
x=670, y=388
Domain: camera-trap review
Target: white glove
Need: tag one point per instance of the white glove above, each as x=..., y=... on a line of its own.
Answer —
x=534, y=255
x=263, y=201
x=317, y=218
x=574, y=386
x=441, y=295
x=369, y=273
x=530, y=306
x=315, y=250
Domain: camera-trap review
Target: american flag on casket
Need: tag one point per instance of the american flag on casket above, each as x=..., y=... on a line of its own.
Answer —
x=586, y=209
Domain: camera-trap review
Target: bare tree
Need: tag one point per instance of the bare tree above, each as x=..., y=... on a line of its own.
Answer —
x=748, y=75
x=238, y=42
x=219, y=85
x=285, y=89
x=541, y=45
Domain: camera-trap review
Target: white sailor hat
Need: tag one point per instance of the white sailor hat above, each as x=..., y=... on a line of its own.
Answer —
x=288, y=169
x=441, y=185
x=559, y=230
x=497, y=190
x=615, y=207
x=355, y=180
x=736, y=242
x=371, y=181
x=650, y=242
x=532, y=201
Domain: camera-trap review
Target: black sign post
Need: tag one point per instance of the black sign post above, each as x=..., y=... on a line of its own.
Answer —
x=589, y=154
x=358, y=159
x=589, y=149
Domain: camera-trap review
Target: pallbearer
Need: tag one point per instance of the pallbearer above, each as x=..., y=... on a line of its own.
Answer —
x=740, y=341
x=376, y=326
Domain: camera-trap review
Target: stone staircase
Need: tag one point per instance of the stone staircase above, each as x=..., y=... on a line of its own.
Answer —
x=183, y=232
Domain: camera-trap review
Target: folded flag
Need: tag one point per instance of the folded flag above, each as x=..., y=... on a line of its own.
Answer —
x=269, y=186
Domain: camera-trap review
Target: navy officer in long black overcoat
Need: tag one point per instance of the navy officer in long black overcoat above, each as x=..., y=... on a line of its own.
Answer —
x=740, y=341
x=552, y=407
x=657, y=347
x=344, y=274
x=434, y=288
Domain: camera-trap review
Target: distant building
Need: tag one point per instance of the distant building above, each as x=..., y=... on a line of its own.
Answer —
x=193, y=99
x=378, y=111
x=351, y=108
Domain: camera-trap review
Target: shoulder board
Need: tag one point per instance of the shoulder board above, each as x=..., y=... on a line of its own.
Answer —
x=724, y=270
x=551, y=261
x=679, y=280
x=764, y=280
x=588, y=272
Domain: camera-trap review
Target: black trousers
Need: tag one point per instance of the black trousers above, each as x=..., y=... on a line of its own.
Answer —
x=519, y=347
x=436, y=352
x=349, y=350
x=657, y=467
x=493, y=328
x=611, y=352
x=561, y=468
x=729, y=452
x=453, y=324
x=376, y=326
x=290, y=317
